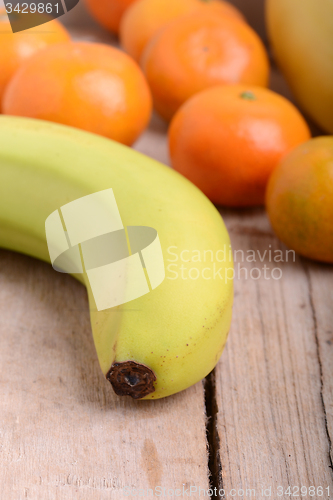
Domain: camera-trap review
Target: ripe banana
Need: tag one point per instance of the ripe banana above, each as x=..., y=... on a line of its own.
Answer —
x=165, y=340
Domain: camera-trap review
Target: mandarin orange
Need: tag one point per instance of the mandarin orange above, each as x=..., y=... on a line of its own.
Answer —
x=144, y=18
x=90, y=86
x=198, y=51
x=15, y=48
x=228, y=139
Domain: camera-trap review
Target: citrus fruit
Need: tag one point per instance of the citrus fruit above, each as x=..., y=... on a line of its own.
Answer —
x=299, y=199
x=228, y=139
x=90, y=86
x=198, y=51
x=15, y=48
x=108, y=13
x=144, y=18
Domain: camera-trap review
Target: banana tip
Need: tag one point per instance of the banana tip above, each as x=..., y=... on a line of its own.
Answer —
x=130, y=378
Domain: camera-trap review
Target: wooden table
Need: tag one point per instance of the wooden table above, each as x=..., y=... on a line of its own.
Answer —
x=261, y=422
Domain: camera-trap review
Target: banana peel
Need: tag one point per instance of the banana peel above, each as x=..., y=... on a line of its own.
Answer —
x=170, y=338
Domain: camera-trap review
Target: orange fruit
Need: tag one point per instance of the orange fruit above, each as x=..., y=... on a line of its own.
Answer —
x=299, y=199
x=198, y=51
x=228, y=139
x=15, y=48
x=108, y=13
x=145, y=18
x=90, y=86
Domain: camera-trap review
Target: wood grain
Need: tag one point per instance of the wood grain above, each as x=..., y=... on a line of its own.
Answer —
x=63, y=432
x=320, y=282
x=274, y=412
x=65, y=435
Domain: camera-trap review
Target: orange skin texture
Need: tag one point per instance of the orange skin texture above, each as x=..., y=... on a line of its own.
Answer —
x=199, y=51
x=145, y=18
x=17, y=48
x=299, y=199
x=108, y=13
x=228, y=145
x=94, y=87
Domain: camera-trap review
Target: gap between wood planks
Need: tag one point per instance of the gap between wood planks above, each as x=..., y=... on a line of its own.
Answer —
x=315, y=327
x=211, y=410
x=212, y=435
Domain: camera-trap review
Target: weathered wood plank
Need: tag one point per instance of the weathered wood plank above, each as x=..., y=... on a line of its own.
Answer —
x=271, y=420
x=320, y=282
x=63, y=433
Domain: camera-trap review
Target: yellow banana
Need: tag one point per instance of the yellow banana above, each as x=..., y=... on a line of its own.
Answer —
x=171, y=337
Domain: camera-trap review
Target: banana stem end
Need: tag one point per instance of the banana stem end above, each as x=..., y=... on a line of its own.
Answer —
x=129, y=378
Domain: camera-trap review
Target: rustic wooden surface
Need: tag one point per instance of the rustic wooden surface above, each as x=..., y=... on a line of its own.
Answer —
x=63, y=432
x=269, y=414
x=274, y=387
